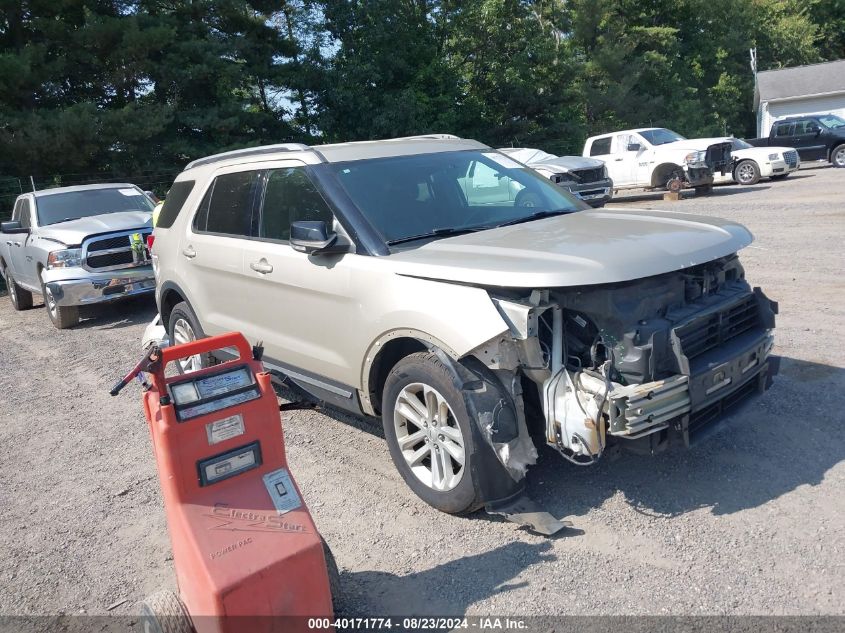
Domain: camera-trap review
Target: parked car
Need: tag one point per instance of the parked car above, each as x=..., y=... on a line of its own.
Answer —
x=657, y=158
x=585, y=178
x=817, y=137
x=380, y=282
x=753, y=163
x=77, y=246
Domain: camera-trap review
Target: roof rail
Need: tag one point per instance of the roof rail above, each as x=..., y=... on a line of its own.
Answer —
x=249, y=151
x=440, y=137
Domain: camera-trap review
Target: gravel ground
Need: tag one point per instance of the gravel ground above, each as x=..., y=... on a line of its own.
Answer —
x=749, y=522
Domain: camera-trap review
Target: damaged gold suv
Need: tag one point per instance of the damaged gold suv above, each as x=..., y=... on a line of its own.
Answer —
x=466, y=300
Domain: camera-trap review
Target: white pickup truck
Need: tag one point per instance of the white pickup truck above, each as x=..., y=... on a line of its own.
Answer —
x=657, y=158
x=77, y=246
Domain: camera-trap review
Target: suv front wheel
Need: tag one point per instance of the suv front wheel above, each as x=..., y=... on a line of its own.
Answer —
x=429, y=434
x=184, y=327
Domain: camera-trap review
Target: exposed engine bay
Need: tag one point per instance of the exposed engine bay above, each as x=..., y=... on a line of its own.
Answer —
x=633, y=362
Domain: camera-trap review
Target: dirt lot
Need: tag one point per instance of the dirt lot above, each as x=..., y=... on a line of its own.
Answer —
x=750, y=522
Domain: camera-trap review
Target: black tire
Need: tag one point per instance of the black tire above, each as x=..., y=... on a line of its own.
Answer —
x=747, y=172
x=704, y=190
x=21, y=299
x=527, y=199
x=334, y=575
x=426, y=368
x=182, y=311
x=163, y=612
x=63, y=317
x=837, y=156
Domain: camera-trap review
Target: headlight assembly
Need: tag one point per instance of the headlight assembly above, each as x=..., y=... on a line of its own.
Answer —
x=68, y=258
x=694, y=157
x=774, y=156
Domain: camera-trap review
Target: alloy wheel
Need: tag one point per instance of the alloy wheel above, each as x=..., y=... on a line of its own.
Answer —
x=429, y=437
x=184, y=333
x=745, y=173
x=49, y=301
x=839, y=158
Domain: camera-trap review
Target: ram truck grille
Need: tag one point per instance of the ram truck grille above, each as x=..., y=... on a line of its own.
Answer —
x=110, y=252
x=588, y=175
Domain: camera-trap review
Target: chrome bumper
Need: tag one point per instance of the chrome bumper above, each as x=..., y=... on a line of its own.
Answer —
x=599, y=191
x=98, y=288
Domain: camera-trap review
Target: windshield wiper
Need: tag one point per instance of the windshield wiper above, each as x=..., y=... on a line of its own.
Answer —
x=65, y=220
x=537, y=216
x=443, y=232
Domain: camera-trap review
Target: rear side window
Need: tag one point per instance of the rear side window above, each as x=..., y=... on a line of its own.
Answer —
x=784, y=129
x=601, y=146
x=227, y=206
x=174, y=202
x=290, y=196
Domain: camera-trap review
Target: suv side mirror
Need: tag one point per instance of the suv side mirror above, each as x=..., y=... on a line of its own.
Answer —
x=634, y=147
x=13, y=226
x=310, y=236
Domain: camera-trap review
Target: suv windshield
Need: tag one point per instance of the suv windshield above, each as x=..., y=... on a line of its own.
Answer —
x=832, y=121
x=442, y=193
x=661, y=136
x=61, y=207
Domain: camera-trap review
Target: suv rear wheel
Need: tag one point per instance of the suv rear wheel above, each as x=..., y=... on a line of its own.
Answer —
x=429, y=434
x=184, y=327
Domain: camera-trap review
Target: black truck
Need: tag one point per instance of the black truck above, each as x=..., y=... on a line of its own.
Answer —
x=816, y=137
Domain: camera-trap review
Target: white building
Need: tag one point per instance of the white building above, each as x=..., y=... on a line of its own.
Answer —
x=813, y=89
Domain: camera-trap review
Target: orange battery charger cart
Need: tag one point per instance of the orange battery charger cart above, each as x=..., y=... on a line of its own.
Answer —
x=245, y=549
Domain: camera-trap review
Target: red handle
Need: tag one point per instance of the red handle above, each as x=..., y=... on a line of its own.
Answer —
x=230, y=339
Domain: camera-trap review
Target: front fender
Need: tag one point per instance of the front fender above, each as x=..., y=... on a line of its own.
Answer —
x=452, y=317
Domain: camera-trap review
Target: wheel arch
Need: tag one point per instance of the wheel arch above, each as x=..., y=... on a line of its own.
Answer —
x=661, y=173
x=382, y=356
x=169, y=297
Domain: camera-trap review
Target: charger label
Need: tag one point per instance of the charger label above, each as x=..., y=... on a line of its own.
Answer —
x=224, y=429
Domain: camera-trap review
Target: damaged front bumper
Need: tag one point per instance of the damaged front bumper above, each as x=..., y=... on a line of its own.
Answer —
x=594, y=193
x=663, y=372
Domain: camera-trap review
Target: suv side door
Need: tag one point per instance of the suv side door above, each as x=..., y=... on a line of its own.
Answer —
x=808, y=138
x=211, y=250
x=295, y=300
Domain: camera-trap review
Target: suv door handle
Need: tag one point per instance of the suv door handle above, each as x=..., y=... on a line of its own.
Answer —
x=189, y=252
x=618, y=159
x=262, y=267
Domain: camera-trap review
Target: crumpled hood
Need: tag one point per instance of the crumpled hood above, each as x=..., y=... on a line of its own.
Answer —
x=582, y=248
x=559, y=164
x=568, y=163
x=75, y=231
